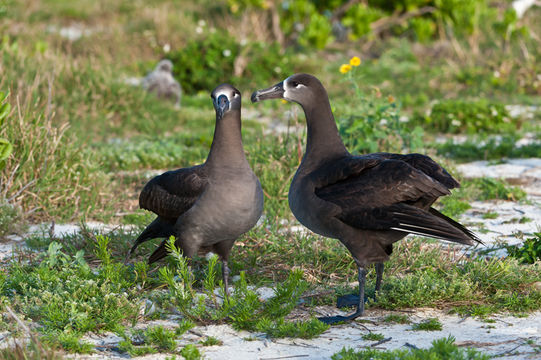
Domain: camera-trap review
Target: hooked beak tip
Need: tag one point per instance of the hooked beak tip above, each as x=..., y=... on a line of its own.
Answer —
x=255, y=96
x=274, y=92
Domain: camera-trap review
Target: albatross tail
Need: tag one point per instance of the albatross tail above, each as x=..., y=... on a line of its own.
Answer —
x=432, y=224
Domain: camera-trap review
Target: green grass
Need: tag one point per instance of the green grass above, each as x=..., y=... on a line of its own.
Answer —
x=481, y=189
x=33, y=350
x=190, y=352
x=397, y=319
x=442, y=349
x=211, y=341
x=471, y=117
x=434, y=278
x=492, y=149
x=428, y=325
x=83, y=141
x=68, y=299
x=373, y=336
x=490, y=215
x=243, y=307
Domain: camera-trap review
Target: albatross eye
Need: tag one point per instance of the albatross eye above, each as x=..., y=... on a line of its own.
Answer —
x=294, y=83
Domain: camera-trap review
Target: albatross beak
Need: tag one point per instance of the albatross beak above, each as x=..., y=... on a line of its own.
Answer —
x=274, y=92
x=222, y=104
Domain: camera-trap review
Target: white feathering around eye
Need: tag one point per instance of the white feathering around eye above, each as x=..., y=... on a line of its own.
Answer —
x=223, y=92
x=287, y=87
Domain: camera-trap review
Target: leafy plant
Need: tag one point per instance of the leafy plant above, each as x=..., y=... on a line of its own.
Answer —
x=296, y=329
x=204, y=63
x=489, y=189
x=428, y=325
x=373, y=336
x=452, y=206
x=472, y=117
x=377, y=125
x=491, y=149
x=6, y=148
x=529, y=252
x=243, y=308
x=68, y=299
x=163, y=338
x=211, y=341
x=396, y=318
x=441, y=349
x=190, y=352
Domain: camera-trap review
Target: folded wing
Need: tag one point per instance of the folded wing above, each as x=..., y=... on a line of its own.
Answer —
x=171, y=194
x=394, y=193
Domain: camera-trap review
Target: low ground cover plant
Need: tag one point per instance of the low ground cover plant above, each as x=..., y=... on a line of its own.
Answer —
x=441, y=349
x=529, y=252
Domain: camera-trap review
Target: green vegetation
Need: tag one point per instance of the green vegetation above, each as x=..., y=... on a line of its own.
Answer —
x=479, y=189
x=428, y=325
x=396, y=318
x=190, y=352
x=211, y=341
x=377, y=126
x=77, y=143
x=490, y=215
x=373, y=336
x=6, y=148
x=210, y=60
x=529, y=252
x=442, y=349
x=65, y=296
x=243, y=307
x=34, y=350
x=435, y=278
x=471, y=117
x=11, y=219
x=491, y=149
x=150, y=341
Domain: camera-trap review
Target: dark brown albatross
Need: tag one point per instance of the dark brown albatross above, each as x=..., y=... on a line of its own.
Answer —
x=207, y=206
x=367, y=202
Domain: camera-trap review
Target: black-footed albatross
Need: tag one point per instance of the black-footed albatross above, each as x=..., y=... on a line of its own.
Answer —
x=367, y=202
x=206, y=206
x=162, y=83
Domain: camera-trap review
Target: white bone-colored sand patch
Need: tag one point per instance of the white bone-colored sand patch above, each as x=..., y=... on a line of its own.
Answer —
x=515, y=221
x=509, y=337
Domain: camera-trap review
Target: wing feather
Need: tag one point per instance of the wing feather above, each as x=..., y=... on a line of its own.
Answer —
x=172, y=193
x=394, y=193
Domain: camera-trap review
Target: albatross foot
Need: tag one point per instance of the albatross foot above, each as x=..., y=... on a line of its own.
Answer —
x=330, y=320
x=348, y=300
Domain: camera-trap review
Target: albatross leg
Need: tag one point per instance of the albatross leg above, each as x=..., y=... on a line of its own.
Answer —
x=225, y=274
x=379, y=276
x=360, y=303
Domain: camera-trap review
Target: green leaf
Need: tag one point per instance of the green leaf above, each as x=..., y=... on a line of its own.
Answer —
x=5, y=149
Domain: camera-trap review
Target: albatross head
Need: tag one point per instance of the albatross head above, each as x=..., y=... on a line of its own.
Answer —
x=225, y=98
x=165, y=65
x=300, y=88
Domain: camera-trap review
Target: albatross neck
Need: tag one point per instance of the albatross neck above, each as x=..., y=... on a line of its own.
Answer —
x=226, y=148
x=323, y=142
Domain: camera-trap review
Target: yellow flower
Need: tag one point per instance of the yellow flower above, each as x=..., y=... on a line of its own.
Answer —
x=355, y=61
x=344, y=68
x=390, y=99
x=284, y=101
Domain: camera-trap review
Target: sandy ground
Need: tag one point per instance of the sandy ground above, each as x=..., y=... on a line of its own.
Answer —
x=507, y=337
